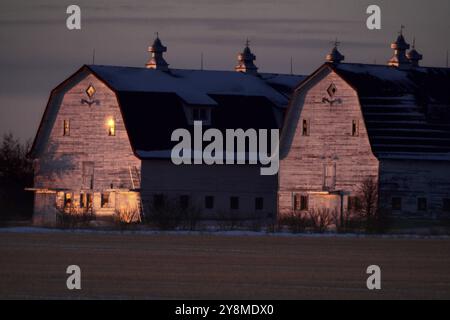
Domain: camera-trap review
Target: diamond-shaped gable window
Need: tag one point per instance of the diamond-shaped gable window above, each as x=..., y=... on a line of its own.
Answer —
x=332, y=90
x=90, y=91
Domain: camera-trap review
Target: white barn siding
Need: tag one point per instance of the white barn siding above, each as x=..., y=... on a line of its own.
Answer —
x=330, y=142
x=59, y=163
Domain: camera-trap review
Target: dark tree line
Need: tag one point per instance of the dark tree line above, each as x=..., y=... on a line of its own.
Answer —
x=16, y=174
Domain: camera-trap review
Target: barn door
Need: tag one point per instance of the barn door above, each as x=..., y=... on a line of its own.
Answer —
x=330, y=176
x=88, y=175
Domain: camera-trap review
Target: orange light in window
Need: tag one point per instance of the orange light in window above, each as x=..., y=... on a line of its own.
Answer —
x=111, y=127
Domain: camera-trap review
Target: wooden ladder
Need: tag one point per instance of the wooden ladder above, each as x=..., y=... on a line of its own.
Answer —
x=135, y=178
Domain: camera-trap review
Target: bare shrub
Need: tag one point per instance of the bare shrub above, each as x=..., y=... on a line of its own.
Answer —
x=127, y=217
x=296, y=222
x=372, y=215
x=349, y=221
x=321, y=219
x=16, y=174
x=190, y=216
x=72, y=217
x=165, y=215
x=229, y=220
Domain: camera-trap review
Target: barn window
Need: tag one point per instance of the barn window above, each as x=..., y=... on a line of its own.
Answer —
x=67, y=200
x=90, y=91
x=305, y=127
x=66, y=128
x=355, y=128
x=88, y=200
x=446, y=204
x=300, y=202
x=259, y=203
x=332, y=90
x=209, y=202
x=184, y=202
x=105, y=200
x=201, y=114
x=158, y=200
x=422, y=204
x=303, y=202
x=234, y=203
x=111, y=127
x=396, y=203
x=82, y=200
x=85, y=200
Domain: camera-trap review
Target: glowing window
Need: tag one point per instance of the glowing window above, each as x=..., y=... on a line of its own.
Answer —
x=111, y=127
x=67, y=200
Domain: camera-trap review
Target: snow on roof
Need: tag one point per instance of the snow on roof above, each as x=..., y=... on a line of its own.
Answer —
x=195, y=86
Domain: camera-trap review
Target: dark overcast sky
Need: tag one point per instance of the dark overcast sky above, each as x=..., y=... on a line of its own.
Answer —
x=38, y=52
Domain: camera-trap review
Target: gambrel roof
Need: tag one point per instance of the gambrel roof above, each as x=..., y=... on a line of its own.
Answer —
x=153, y=102
x=194, y=87
x=406, y=111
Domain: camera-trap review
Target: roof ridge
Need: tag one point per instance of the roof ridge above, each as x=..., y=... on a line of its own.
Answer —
x=194, y=70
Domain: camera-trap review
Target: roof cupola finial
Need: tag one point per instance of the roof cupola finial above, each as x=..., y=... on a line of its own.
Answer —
x=157, y=60
x=246, y=60
x=400, y=46
x=413, y=56
x=335, y=56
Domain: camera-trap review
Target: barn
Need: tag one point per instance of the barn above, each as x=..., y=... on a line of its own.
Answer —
x=104, y=142
x=350, y=123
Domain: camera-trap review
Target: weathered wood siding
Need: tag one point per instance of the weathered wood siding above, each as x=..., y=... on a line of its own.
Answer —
x=219, y=181
x=330, y=142
x=60, y=160
x=414, y=179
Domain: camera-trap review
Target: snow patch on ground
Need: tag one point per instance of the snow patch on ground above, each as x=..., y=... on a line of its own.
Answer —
x=234, y=233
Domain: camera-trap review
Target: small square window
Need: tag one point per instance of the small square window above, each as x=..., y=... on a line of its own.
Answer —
x=259, y=203
x=422, y=204
x=234, y=203
x=209, y=202
x=396, y=203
